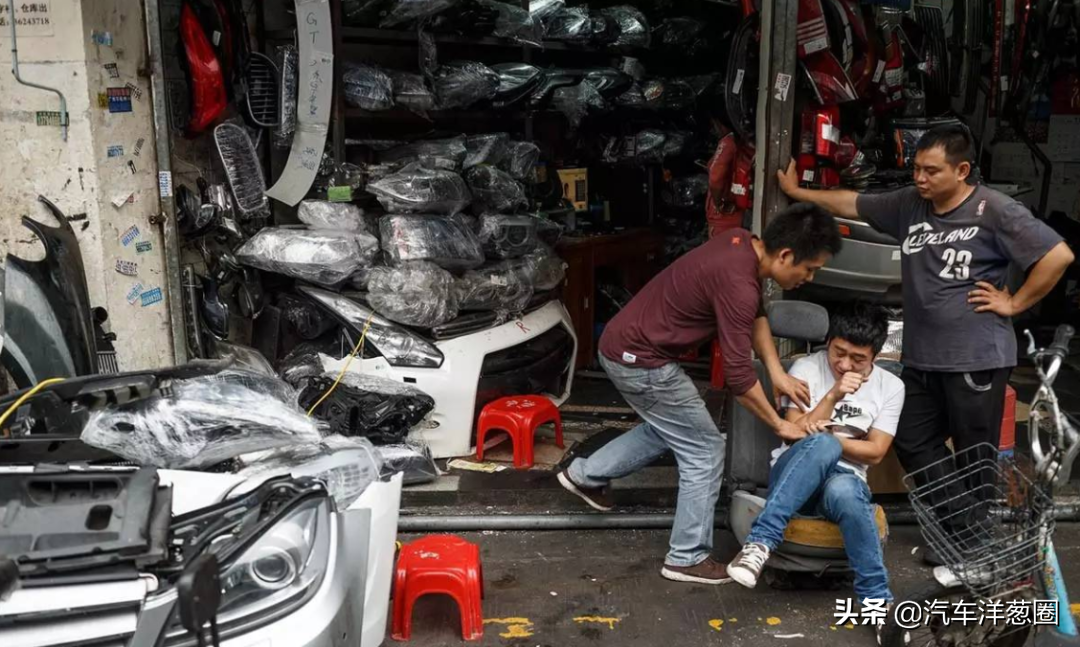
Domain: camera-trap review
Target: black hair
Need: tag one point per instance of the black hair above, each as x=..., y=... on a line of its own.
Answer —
x=806, y=229
x=954, y=138
x=860, y=323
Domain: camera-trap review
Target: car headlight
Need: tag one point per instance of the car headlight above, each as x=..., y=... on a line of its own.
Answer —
x=399, y=346
x=286, y=562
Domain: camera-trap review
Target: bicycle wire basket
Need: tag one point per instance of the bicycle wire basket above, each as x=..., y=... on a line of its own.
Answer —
x=985, y=519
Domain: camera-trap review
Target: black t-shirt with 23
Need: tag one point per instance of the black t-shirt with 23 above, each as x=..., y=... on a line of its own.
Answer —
x=942, y=258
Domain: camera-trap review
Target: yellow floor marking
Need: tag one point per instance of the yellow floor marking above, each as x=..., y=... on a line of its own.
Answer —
x=772, y=621
x=515, y=627
x=716, y=624
x=610, y=622
x=849, y=626
x=833, y=627
x=732, y=619
x=1075, y=609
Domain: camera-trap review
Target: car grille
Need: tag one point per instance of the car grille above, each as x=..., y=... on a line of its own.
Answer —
x=477, y=321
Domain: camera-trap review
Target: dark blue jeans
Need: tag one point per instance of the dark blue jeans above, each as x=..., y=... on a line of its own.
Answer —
x=807, y=481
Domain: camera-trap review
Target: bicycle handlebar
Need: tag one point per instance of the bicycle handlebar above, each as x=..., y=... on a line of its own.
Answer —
x=1062, y=336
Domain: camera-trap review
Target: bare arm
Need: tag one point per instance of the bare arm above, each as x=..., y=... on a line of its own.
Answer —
x=840, y=202
x=794, y=388
x=865, y=451
x=1042, y=278
x=755, y=401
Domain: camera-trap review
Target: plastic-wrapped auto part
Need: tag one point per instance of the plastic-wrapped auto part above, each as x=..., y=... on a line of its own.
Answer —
x=569, y=23
x=447, y=242
x=288, y=61
x=306, y=319
x=633, y=28
x=520, y=160
x=202, y=421
x=418, y=188
x=448, y=154
x=367, y=87
x=486, y=148
x=575, y=102
x=608, y=81
x=516, y=81
x=362, y=13
x=634, y=97
x=342, y=216
x=305, y=361
x=548, y=231
x=403, y=11
x=355, y=465
x=675, y=144
x=546, y=268
x=411, y=92
x=515, y=23
x=377, y=408
x=460, y=84
x=412, y=459
x=495, y=190
x=505, y=286
x=508, y=236
x=542, y=10
x=689, y=191
x=418, y=294
x=322, y=256
x=681, y=34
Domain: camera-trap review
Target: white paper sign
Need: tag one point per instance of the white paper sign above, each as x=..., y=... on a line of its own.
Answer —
x=314, y=98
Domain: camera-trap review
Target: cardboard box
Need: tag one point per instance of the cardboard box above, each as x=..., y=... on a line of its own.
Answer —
x=887, y=477
x=575, y=185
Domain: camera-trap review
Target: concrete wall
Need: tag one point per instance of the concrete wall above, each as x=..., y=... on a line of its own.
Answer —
x=88, y=47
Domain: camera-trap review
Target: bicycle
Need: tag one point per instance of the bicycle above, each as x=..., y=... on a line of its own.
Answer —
x=991, y=519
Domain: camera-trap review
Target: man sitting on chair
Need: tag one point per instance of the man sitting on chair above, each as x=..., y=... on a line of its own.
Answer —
x=855, y=407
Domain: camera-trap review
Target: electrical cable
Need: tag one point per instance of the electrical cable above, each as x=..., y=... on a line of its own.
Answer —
x=355, y=351
x=23, y=398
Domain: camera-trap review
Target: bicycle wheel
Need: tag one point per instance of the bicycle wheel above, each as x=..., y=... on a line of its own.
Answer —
x=942, y=634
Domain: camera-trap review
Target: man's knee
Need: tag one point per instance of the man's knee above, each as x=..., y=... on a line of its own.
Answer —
x=844, y=492
x=823, y=446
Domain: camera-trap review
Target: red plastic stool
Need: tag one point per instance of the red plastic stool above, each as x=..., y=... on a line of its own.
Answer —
x=518, y=416
x=439, y=564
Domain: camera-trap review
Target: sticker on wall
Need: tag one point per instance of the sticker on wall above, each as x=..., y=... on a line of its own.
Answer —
x=134, y=90
x=138, y=146
x=127, y=268
x=134, y=292
x=102, y=100
x=113, y=71
x=119, y=99
x=150, y=297
x=32, y=18
x=101, y=37
x=164, y=181
x=120, y=199
x=339, y=194
x=49, y=118
x=144, y=247
x=131, y=166
x=130, y=235
x=116, y=151
x=783, y=83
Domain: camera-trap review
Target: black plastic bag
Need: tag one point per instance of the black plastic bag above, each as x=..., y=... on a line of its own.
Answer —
x=367, y=87
x=413, y=459
x=520, y=160
x=681, y=34
x=462, y=83
x=576, y=101
x=505, y=287
x=377, y=408
x=515, y=23
x=632, y=27
x=494, y=190
x=411, y=92
x=487, y=148
x=403, y=11
x=570, y=24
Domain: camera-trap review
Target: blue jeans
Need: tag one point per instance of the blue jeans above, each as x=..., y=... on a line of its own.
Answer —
x=806, y=480
x=675, y=418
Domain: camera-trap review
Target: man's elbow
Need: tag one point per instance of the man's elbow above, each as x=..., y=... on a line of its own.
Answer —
x=1067, y=256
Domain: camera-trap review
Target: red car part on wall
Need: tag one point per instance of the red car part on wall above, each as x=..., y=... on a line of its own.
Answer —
x=208, y=96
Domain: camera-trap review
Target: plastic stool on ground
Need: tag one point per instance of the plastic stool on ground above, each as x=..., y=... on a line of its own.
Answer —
x=518, y=416
x=443, y=564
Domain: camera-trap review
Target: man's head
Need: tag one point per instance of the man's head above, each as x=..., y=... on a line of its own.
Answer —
x=943, y=160
x=798, y=241
x=857, y=331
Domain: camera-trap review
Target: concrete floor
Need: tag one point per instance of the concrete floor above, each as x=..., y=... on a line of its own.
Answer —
x=555, y=589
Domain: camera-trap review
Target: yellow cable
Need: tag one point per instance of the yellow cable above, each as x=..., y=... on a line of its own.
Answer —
x=22, y=399
x=355, y=351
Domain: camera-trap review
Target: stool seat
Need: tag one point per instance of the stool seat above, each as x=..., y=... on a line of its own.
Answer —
x=444, y=564
x=518, y=416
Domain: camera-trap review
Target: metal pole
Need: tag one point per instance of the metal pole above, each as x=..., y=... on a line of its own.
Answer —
x=170, y=234
x=776, y=106
x=30, y=84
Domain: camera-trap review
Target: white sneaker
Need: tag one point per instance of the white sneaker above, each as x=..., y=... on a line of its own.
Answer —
x=746, y=567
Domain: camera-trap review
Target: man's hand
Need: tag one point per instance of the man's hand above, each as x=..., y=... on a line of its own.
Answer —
x=847, y=385
x=790, y=432
x=817, y=427
x=992, y=299
x=789, y=180
x=795, y=389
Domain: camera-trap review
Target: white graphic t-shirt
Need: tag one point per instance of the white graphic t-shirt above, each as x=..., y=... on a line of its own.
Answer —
x=876, y=405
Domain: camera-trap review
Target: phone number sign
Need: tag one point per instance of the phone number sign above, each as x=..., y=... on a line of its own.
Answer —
x=31, y=19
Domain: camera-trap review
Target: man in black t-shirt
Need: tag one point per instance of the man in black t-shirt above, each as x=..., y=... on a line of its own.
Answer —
x=957, y=241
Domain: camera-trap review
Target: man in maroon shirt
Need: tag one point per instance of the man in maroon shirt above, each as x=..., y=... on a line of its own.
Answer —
x=715, y=290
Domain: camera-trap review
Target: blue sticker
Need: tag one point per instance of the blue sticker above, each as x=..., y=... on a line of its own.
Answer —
x=144, y=247
x=134, y=292
x=116, y=151
x=150, y=297
x=101, y=37
x=130, y=235
x=119, y=99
